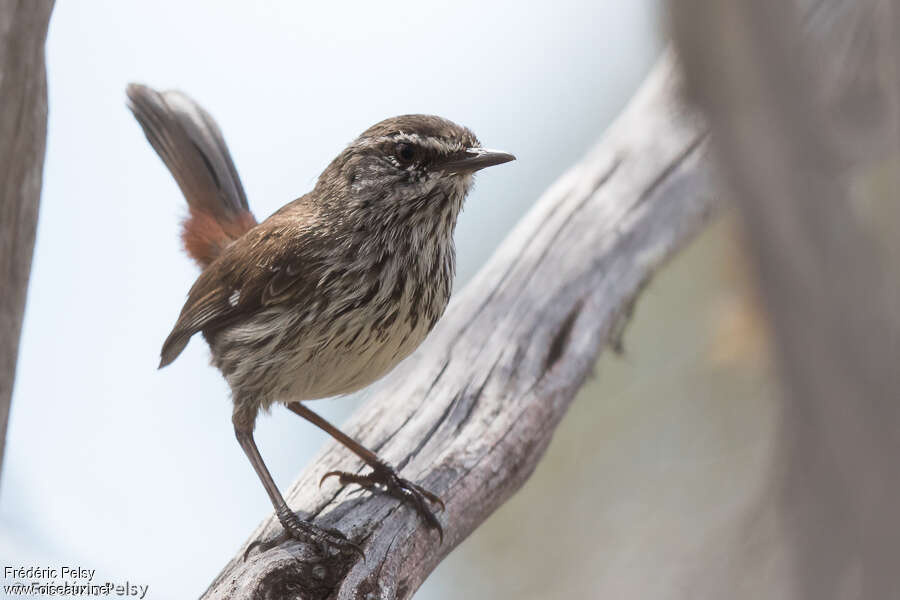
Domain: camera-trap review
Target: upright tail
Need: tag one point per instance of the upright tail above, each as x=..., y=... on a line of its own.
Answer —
x=191, y=145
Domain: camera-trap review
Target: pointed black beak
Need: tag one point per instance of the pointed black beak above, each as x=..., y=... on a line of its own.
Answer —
x=476, y=159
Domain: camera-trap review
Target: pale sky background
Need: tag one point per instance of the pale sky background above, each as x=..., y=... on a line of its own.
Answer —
x=114, y=465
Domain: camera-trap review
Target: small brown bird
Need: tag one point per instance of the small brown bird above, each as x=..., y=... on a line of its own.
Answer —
x=329, y=293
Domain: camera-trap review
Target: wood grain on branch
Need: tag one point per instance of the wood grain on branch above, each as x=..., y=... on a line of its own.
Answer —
x=471, y=413
x=23, y=135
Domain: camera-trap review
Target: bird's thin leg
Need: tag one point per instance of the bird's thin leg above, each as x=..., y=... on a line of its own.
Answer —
x=382, y=473
x=325, y=539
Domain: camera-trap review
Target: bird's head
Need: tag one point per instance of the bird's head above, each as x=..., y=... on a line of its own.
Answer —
x=408, y=164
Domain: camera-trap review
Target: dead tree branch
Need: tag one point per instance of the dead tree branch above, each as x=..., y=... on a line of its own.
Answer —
x=471, y=413
x=23, y=136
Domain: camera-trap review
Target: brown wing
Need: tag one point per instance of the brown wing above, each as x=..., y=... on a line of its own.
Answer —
x=276, y=262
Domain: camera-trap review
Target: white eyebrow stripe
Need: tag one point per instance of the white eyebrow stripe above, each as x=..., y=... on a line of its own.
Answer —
x=437, y=144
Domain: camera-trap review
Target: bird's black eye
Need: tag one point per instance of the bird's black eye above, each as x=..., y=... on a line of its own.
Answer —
x=405, y=153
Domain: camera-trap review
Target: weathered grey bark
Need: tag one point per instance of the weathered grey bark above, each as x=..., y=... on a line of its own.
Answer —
x=806, y=128
x=23, y=135
x=471, y=413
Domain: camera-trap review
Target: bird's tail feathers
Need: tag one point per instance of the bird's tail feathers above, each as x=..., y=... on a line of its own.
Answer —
x=191, y=145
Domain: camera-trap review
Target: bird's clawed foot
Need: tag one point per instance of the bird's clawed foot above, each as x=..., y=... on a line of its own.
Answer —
x=329, y=542
x=406, y=491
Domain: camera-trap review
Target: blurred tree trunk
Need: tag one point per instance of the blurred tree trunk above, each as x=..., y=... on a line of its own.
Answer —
x=803, y=105
x=23, y=135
